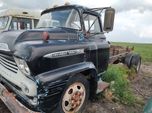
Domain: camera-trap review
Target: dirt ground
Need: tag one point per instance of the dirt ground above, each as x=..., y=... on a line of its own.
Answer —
x=141, y=85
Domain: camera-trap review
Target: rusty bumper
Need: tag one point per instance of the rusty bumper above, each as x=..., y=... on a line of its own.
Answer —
x=12, y=103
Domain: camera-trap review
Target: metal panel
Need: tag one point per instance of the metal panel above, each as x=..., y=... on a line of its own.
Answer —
x=11, y=102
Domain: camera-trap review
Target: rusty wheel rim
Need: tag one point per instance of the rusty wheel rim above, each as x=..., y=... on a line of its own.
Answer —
x=73, y=98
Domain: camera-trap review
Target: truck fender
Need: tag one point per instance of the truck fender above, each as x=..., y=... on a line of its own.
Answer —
x=65, y=72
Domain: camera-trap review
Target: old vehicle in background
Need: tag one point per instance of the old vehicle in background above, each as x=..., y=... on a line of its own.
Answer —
x=59, y=65
x=18, y=19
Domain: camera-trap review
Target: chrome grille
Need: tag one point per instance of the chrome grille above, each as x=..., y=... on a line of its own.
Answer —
x=8, y=62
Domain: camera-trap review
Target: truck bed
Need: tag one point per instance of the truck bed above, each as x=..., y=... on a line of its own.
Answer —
x=117, y=53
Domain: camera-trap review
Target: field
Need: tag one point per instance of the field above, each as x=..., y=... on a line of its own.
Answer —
x=145, y=50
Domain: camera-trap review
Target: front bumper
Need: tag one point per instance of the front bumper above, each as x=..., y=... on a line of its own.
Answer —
x=12, y=103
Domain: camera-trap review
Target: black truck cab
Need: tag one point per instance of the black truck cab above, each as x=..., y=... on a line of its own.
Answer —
x=59, y=64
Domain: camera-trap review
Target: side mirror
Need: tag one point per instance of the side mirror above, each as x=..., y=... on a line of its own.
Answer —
x=109, y=19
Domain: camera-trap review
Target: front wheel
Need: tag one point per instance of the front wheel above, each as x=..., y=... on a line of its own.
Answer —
x=74, y=96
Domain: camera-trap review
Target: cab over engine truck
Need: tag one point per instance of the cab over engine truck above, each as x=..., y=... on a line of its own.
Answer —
x=59, y=66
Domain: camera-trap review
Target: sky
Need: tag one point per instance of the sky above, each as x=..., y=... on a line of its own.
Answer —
x=133, y=19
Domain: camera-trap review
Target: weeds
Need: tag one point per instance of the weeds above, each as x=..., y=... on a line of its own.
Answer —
x=117, y=76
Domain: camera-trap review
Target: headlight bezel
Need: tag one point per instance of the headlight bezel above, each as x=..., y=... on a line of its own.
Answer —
x=22, y=65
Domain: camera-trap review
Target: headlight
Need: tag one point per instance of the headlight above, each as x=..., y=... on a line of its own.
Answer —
x=22, y=65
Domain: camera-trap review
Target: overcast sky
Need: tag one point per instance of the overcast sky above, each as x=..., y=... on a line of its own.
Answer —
x=133, y=21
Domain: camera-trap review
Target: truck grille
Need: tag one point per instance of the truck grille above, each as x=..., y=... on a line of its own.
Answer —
x=8, y=62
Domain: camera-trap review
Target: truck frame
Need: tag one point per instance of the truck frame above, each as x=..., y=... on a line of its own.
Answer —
x=59, y=66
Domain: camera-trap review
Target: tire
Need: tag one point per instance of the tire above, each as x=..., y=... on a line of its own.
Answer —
x=127, y=60
x=136, y=62
x=76, y=94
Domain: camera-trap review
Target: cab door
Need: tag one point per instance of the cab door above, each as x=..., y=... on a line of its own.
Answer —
x=98, y=46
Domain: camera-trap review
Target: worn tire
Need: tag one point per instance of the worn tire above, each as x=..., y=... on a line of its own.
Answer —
x=127, y=60
x=136, y=62
x=75, y=84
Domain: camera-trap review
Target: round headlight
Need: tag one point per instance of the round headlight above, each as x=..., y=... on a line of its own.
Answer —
x=22, y=65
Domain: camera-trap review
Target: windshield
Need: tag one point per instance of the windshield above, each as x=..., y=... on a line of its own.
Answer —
x=3, y=22
x=60, y=18
x=18, y=23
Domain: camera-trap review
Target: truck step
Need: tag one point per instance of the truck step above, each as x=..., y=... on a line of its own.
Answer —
x=102, y=86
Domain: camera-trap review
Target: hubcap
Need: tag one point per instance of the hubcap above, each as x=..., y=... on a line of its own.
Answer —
x=73, y=98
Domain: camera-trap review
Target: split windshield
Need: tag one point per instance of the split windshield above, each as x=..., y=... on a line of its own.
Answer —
x=18, y=23
x=3, y=22
x=68, y=18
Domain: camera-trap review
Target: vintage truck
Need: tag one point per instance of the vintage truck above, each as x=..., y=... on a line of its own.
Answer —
x=18, y=19
x=59, y=66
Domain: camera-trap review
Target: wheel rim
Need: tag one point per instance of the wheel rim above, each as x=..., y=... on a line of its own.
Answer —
x=74, y=98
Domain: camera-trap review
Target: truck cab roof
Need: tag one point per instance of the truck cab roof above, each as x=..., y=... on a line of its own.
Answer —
x=77, y=7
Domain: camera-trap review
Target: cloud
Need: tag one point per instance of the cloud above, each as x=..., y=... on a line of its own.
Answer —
x=126, y=5
x=1, y=4
x=132, y=26
x=32, y=4
x=146, y=32
x=94, y=3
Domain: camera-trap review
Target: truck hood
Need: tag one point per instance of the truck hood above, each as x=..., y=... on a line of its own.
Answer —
x=8, y=38
x=12, y=38
x=23, y=43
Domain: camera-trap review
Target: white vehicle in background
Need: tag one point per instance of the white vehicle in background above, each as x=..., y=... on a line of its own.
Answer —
x=18, y=19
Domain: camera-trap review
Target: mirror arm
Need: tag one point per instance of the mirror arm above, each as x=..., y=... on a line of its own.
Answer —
x=99, y=9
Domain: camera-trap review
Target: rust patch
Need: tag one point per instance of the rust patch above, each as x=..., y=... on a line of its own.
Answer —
x=11, y=102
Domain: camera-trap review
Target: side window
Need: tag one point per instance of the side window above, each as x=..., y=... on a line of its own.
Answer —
x=73, y=20
x=91, y=23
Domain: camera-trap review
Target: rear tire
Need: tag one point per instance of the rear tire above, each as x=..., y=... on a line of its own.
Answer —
x=127, y=60
x=75, y=95
x=136, y=62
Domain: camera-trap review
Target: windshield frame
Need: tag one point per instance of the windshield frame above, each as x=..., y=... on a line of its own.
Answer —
x=61, y=9
x=7, y=21
x=98, y=18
